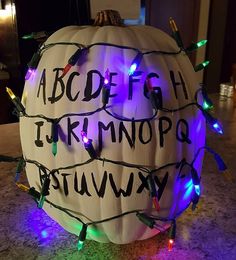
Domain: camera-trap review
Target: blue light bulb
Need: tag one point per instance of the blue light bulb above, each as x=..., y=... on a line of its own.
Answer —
x=197, y=189
x=218, y=128
x=135, y=63
x=132, y=69
x=213, y=122
x=44, y=234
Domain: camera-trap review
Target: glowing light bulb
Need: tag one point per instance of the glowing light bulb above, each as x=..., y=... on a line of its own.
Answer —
x=132, y=69
x=82, y=237
x=135, y=63
x=195, y=46
x=197, y=189
x=218, y=128
x=206, y=105
x=80, y=245
x=107, y=77
x=16, y=101
x=32, y=65
x=44, y=234
x=214, y=124
x=75, y=58
x=88, y=145
x=170, y=244
x=106, y=81
x=201, y=65
x=22, y=187
x=205, y=63
x=29, y=73
x=176, y=33
x=10, y=93
x=172, y=233
x=84, y=137
x=201, y=43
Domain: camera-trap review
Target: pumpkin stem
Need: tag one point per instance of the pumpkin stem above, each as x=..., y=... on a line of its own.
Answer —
x=108, y=17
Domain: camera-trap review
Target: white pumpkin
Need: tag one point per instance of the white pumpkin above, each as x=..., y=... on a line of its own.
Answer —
x=92, y=191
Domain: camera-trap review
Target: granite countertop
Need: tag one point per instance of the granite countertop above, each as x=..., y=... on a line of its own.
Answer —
x=207, y=233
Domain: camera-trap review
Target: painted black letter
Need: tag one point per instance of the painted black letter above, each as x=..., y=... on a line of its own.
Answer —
x=84, y=186
x=102, y=127
x=101, y=191
x=131, y=81
x=69, y=85
x=43, y=84
x=163, y=131
x=65, y=183
x=39, y=142
x=70, y=127
x=59, y=80
x=122, y=129
x=183, y=136
x=121, y=191
x=175, y=84
x=141, y=132
x=88, y=95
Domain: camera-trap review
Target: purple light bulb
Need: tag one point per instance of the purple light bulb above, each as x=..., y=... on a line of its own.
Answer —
x=29, y=72
x=84, y=137
x=107, y=77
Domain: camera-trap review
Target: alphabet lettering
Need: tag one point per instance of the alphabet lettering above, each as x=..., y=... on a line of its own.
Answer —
x=127, y=132
x=131, y=81
x=182, y=136
x=42, y=83
x=162, y=130
x=61, y=180
x=88, y=95
x=113, y=133
x=175, y=84
x=39, y=142
x=58, y=82
x=69, y=85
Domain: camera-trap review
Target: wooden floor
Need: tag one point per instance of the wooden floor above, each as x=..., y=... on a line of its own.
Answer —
x=207, y=233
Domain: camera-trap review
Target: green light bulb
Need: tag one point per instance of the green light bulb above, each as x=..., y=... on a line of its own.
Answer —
x=206, y=106
x=201, y=65
x=205, y=63
x=27, y=36
x=80, y=245
x=54, y=148
x=201, y=43
x=195, y=46
x=41, y=201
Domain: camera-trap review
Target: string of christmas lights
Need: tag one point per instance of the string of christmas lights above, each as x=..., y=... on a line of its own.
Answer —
x=211, y=121
x=149, y=220
x=156, y=101
x=82, y=51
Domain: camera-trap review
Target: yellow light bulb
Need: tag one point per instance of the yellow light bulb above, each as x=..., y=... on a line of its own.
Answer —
x=173, y=25
x=10, y=93
x=22, y=187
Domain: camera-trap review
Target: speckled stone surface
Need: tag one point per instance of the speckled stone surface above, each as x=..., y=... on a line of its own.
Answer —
x=207, y=233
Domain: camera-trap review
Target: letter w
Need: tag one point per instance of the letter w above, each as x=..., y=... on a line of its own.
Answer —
x=121, y=191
